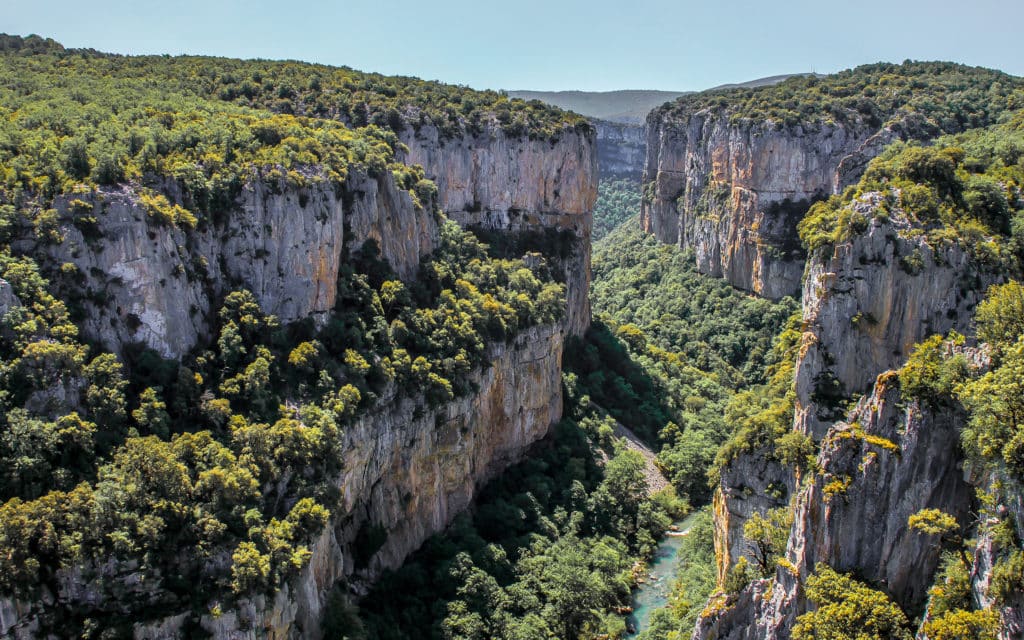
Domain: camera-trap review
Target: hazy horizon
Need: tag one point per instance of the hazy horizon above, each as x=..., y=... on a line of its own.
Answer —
x=537, y=45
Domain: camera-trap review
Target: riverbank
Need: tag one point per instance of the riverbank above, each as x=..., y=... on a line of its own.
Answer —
x=653, y=593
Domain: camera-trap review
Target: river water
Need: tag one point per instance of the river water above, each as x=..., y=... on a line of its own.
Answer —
x=661, y=572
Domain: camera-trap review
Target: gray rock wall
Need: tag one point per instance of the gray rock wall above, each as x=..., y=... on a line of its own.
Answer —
x=620, y=149
x=867, y=302
x=734, y=191
x=852, y=514
x=141, y=280
x=519, y=185
x=865, y=306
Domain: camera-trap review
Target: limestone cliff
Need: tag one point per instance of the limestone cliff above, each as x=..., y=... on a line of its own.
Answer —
x=498, y=182
x=733, y=191
x=140, y=280
x=753, y=483
x=869, y=300
x=866, y=302
x=886, y=461
x=153, y=283
x=408, y=470
x=620, y=149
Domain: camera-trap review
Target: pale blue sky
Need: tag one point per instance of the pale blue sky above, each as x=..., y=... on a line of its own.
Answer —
x=547, y=44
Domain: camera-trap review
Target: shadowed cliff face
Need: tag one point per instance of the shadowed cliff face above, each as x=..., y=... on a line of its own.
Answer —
x=734, y=192
x=620, y=149
x=519, y=185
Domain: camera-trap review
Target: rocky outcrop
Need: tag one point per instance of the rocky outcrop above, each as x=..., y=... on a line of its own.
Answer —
x=753, y=483
x=1007, y=494
x=408, y=470
x=620, y=149
x=520, y=186
x=1011, y=613
x=8, y=300
x=734, y=191
x=141, y=280
x=888, y=460
x=869, y=300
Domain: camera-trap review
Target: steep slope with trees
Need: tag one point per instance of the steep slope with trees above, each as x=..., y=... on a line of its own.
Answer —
x=730, y=173
x=877, y=488
x=240, y=337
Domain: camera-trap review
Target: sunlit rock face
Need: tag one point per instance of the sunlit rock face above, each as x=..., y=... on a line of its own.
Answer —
x=735, y=191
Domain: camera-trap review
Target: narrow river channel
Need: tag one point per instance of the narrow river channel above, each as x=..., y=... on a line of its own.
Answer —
x=661, y=572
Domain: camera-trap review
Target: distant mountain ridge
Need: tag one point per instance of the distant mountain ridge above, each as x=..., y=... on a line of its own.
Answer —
x=627, y=106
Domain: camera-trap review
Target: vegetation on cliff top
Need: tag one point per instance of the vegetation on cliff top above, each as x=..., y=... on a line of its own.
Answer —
x=918, y=99
x=298, y=88
x=74, y=123
x=230, y=452
x=967, y=188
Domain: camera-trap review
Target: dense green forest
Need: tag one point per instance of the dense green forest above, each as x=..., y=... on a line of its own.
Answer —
x=918, y=99
x=617, y=201
x=210, y=476
x=298, y=88
x=231, y=451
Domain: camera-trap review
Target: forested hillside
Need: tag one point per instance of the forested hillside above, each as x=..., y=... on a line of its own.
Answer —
x=255, y=382
x=617, y=202
x=923, y=98
x=208, y=479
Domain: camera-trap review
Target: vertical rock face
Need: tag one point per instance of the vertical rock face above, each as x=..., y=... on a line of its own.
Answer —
x=518, y=185
x=912, y=462
x=886, y=462
x=868, y=302
x=408, y=470
x=751, y=484
x=734, y=192
x=151, y=282
x=620, y=149
x=422, y=470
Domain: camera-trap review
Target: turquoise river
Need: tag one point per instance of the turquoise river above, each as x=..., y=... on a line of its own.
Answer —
x=653, y=593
